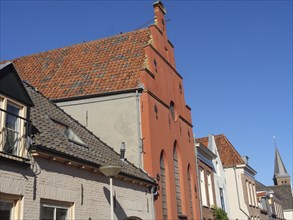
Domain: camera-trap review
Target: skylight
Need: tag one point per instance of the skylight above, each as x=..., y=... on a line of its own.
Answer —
x=68, y=132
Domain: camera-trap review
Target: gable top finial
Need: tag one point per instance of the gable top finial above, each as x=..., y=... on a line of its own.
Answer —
x=160, y=5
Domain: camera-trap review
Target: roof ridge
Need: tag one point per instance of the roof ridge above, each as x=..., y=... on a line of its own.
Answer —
x=75, y=44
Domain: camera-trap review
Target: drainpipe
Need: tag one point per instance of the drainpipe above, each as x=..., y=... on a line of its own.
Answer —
x=238, y=194
x=139, y=139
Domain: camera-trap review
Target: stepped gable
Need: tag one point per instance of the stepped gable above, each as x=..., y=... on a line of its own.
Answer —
x=48, y=138
x=228, y=154
x=107, y=65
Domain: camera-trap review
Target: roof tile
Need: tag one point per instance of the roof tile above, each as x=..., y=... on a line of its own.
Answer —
x=110, y=64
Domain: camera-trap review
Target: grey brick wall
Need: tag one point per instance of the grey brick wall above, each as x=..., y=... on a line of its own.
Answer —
x=87, y=191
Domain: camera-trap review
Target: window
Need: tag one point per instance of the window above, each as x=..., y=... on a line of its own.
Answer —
x=177, y=181
x=251, y=194
x=203, y=188
x=163, y=187
x=56, y=211
x=6, y=210
x=254, y=195
x=248, y=192
x=68, y=132
x=210, y=189
x=12, y=124
x=190, y=191
x=172, y=110
x=9, y=207
x=222, y=199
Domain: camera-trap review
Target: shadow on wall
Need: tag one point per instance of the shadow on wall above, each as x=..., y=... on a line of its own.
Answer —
x=118, y=210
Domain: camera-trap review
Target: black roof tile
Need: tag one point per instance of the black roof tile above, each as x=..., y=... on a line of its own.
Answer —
x=49, y=138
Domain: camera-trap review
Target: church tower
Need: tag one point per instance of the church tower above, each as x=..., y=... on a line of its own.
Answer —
x=281, y=176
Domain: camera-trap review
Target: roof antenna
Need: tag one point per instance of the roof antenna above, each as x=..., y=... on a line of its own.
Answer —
x=86, y=118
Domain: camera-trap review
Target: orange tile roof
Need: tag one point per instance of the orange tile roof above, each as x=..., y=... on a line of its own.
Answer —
x=96, y=67
x=203, y=140
x=228, y=154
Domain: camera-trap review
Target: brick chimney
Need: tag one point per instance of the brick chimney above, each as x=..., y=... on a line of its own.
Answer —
x=160, y=12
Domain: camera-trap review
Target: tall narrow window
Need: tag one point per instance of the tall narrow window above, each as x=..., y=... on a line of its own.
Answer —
x=251, y=194
x=173, y=110
x=222, y=198
x=177, y=181
x=190, y=191
x=12, y=125
x=163, y=187
x=254, y=195
x=248, y=192
x=203, y=188
x=210, y=189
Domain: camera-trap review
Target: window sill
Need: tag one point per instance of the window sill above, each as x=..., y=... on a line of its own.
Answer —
x=14, y=158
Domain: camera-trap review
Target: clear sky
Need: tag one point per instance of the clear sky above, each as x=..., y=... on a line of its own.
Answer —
x=235, y=58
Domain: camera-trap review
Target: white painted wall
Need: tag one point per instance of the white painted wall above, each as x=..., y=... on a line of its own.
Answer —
x=56, y=181
x=114, y=119
x=288, y=214
x=235, y=197
x=219, y=175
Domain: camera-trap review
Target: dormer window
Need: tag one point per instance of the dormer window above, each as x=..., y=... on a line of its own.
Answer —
x=68, y=132
x=12, y=124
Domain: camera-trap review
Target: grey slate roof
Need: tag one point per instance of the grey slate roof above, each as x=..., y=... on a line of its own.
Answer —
x=282, y=192
x=279, y=168
x=47, y=137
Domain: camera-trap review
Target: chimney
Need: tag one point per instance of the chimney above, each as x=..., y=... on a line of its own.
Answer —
x=245, y=159
x=122, y=151
x=160, y=11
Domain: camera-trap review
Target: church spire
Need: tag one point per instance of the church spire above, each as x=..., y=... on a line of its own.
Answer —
x=281, y=176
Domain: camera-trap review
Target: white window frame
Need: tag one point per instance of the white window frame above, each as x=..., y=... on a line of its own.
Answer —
x=4, y=102
x=254, y=195
x=58, y=205
x=203, y=187
x=210, y=189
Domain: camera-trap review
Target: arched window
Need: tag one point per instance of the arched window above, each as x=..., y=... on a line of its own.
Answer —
x=163, y=186
x=172, y=110
x=190, y=191
x=177, y=181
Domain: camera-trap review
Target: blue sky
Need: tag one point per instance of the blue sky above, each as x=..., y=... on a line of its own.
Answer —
x=235, y=57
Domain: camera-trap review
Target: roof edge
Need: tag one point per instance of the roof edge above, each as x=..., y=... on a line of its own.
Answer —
x=133, y=90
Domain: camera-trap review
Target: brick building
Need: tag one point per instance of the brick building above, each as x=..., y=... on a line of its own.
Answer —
x=129, y=84
x=50, y=164
x=240, y=180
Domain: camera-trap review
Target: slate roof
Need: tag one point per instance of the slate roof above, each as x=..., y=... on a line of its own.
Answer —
x=47, y=137
x=279, y=167
x=228, y=154
x=283, y=193
x=96, y=67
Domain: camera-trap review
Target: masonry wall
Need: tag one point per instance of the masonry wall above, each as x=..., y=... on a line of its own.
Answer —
x=237, y=204
x=220, y=182
x=86, y=192
x=113, y=118
x=207, y=211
